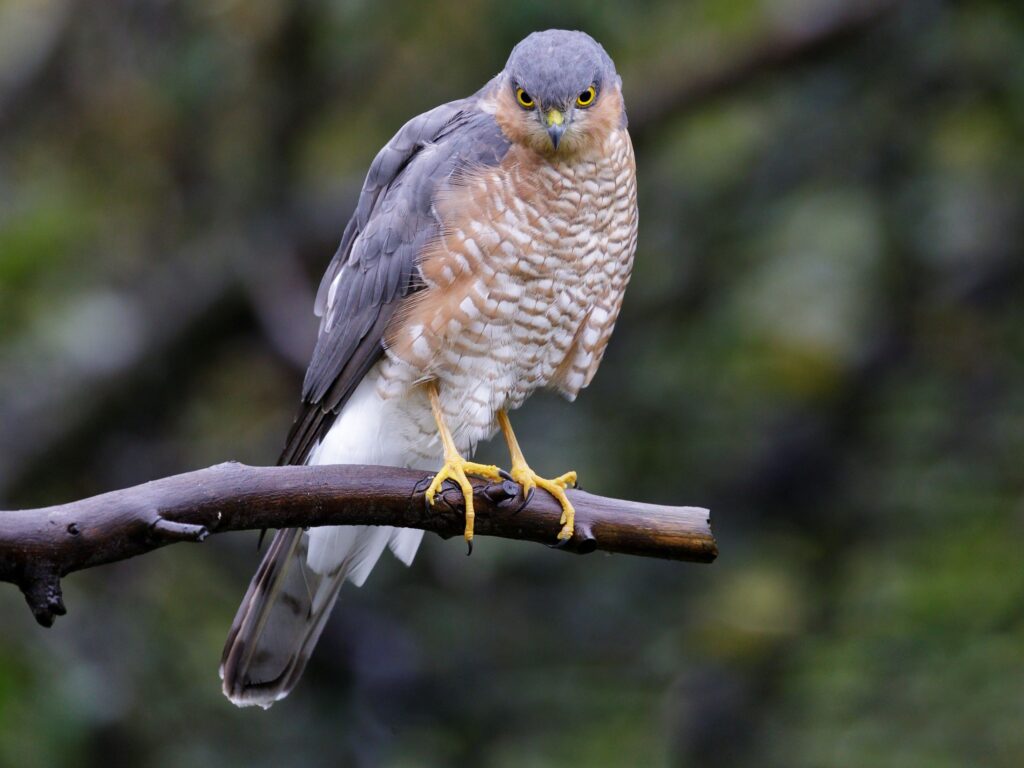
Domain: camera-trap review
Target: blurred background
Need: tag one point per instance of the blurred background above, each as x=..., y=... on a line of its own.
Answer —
x=823, y=342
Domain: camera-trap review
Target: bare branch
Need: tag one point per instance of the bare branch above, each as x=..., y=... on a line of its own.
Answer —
x=38, y=547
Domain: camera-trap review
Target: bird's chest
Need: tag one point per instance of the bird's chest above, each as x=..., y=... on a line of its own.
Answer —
x=528, y=252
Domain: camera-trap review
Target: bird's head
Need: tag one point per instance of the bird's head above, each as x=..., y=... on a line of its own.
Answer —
x=559, y=93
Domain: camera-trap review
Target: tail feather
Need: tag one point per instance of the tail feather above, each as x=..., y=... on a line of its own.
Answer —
x=278, y=623
x=291, y=596
x=354, y=549
x=289, y=601
x=404, y=543
x=272, y=618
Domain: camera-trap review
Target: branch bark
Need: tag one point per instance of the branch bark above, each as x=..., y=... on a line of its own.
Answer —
x=38, y=547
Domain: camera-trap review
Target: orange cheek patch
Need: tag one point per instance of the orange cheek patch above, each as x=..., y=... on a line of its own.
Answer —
x=587, y=134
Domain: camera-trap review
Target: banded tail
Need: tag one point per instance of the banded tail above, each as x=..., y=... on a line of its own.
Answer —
x=291, y=596
x=288, y=603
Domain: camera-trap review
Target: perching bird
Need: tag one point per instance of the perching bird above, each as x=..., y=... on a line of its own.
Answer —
x=487, y=257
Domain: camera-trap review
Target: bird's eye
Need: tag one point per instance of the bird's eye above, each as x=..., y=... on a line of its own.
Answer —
x=525, y=100
x=586, y=98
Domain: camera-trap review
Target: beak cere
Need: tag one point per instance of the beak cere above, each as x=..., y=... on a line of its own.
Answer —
x=556, y=126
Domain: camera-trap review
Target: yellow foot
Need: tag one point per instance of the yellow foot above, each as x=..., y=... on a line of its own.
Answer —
x=457, y=468
x=529, y=480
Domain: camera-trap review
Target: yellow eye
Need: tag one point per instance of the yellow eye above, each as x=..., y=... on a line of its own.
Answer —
x=524, y=99
x=586, y=98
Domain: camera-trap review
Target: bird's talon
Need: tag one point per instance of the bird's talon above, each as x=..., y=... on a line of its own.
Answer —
x=530, y=481
x=566, y=480
x=458, y=470
x=486, y=471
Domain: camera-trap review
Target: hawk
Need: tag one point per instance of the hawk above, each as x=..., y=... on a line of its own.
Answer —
x=487, y=257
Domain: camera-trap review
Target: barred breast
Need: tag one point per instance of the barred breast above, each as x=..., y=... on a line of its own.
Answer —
x=524, y=284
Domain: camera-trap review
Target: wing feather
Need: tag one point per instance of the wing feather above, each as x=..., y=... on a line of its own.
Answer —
x=376, y=265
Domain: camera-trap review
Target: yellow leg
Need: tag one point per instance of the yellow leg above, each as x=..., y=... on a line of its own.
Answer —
x=455, y=467
x=529, y=479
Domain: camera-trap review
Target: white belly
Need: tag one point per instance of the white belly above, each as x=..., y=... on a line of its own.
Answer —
x=392, y=429
x=395, y=427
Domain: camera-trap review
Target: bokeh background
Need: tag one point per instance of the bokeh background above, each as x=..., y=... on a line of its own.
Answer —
x=823, y=342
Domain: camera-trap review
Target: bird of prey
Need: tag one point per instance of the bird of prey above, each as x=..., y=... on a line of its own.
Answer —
x=487, y=258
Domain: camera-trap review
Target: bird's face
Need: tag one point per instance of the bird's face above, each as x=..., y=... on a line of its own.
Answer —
x=560, y=93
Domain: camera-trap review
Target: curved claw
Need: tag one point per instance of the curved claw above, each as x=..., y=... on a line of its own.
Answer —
x=526, y=500
x=530, y=481
x=458, y=470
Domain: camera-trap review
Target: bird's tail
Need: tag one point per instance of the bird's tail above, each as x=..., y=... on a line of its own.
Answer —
x=289, y=601
x=292, y=594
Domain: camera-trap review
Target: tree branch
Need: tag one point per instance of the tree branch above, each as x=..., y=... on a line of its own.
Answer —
x=38, y=547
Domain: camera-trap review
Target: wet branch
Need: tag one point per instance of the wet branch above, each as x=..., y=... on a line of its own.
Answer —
x=38, y=547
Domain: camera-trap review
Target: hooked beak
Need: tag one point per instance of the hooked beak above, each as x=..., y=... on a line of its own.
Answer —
x=555, y=122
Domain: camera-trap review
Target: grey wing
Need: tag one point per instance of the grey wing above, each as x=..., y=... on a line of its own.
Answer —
x=375, y=266
x=287, y=605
